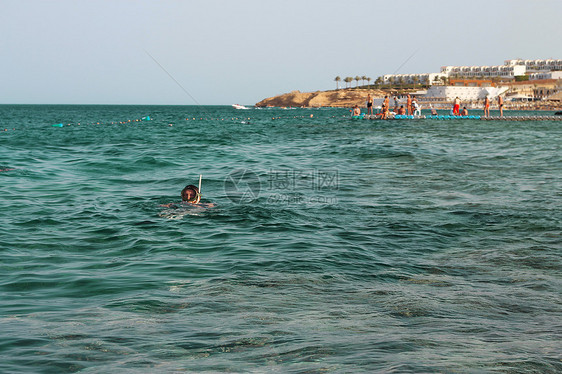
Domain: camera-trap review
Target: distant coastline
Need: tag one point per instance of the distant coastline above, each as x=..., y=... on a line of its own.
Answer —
x=348, y=97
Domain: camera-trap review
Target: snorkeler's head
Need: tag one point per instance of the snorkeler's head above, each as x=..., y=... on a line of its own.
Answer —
x=190, y=194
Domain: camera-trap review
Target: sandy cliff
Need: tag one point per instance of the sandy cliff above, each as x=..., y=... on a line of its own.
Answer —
x=339, y=98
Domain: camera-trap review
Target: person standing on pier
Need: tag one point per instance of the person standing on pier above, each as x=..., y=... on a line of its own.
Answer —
x=409, y=105
x=487, y=107
x=457, y=106
x=416, y=107
x=500, y=105
x=369, y=104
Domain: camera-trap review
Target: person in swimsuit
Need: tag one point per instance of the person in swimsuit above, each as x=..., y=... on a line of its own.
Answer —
x=395, y=104
x=385, y=107
x=416, y=107
x=464, y=112
x=433, y=111
x=356, y=111
x=369, y=104
x=409, y=105
x=500, y=105
x=487, y=107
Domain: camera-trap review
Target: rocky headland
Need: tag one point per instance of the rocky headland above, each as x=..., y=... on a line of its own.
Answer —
x=337, y=98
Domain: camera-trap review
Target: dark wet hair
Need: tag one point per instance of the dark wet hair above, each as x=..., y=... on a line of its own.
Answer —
x=190, y=193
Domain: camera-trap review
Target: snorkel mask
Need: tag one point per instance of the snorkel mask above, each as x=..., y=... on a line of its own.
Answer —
x=191, y=194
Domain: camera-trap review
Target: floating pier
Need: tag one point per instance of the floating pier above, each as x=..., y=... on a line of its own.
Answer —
x=522, y=118
x=448, y=117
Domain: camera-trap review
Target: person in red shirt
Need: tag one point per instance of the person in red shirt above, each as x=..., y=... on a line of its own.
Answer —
x=457, y=106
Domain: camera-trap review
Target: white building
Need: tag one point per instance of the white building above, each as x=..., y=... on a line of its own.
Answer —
x=503, y=71
x=510, y=69
x=426, y=78
x=463, y=92
x=546, y=75
x=536, y=65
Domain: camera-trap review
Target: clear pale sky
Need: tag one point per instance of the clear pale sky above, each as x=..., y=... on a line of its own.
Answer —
x=241, y=51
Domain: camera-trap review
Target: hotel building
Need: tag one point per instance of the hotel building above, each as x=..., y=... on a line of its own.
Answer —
x=536, y=69
x=533, y=66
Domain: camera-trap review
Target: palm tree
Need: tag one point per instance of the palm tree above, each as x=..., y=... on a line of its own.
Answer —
x=337, y=79
x=357, y=79
x=363, y=79
x=378, y=81
x=368, y=81
x=347, y=80
x=415, y=79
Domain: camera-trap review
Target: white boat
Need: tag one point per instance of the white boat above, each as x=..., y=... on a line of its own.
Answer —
x=238, y=106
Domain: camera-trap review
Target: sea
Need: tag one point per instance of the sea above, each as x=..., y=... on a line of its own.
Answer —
x=325, y=244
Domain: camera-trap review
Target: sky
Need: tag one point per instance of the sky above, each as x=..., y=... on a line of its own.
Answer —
x=219, y=52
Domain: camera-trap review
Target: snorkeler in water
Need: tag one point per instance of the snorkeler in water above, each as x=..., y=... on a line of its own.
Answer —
x=190, y=195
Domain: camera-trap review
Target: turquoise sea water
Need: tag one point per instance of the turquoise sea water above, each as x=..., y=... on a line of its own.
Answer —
x=336, y=246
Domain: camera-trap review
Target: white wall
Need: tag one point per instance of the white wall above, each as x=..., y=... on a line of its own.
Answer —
x=464, y=93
